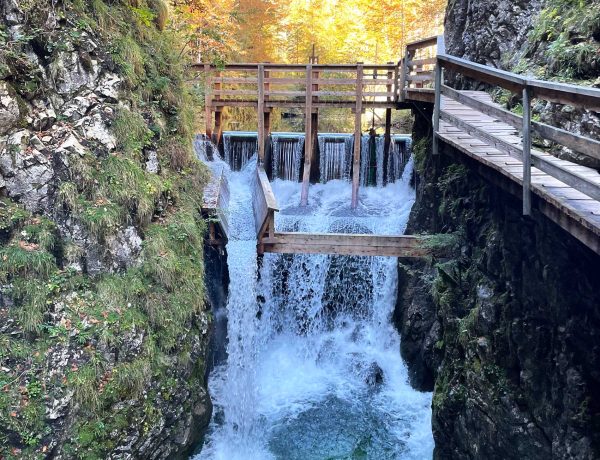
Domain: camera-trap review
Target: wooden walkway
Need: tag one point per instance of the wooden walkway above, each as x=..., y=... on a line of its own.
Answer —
x=573, y=210
x=467, y=121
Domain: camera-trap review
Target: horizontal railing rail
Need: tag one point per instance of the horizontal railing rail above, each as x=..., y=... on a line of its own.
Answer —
x=577, y=96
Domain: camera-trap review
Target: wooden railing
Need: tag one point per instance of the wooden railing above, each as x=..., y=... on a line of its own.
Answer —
x=215, y=206
x=416, y=69
x=578, y=96
x=289, y=85
x=264, y=205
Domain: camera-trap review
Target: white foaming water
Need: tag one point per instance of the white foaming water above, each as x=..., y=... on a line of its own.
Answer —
x=314, y=369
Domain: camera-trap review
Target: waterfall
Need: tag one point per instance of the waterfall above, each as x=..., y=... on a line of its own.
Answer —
x=335, y=152
x=400, y=152
x=286, y=153
x=239, y=147
x=314, y=368
x=371, y=167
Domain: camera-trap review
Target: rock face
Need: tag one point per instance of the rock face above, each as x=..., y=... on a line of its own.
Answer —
x=488, y=32
x=548, y=39
x=104, y=325
x=508, y=330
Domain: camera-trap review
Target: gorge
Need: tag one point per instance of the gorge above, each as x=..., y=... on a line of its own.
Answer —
x=136, y=324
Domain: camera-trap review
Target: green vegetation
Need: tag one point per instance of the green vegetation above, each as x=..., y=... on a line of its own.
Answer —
x=567, y=33
x=52, y=308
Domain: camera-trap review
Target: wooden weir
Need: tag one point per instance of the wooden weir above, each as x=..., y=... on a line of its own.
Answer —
x=269, y=240
x=468, y=121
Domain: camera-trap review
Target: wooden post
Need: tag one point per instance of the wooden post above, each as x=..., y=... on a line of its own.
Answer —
x=208, y=101
x=261, y=114
x=526, y=151
x=216, y=135
x=404, y=74
x=267, y=116
x=308, y=147
x=315, y=118
x=388, y=127
x=437, y=106
x=357, y=135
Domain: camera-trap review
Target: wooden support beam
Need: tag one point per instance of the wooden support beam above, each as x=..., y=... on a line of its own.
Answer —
x=308, y=146
x=261, y=114
x=586, y=184
x=526, y=151
x=357, y=135
x=404, y=73
x=388, y=129
x=314, y=122
x=439, y=80
x=207, y=101
x=348, y=244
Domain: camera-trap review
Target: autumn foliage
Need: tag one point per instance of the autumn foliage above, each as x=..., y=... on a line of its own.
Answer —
x=286, y=30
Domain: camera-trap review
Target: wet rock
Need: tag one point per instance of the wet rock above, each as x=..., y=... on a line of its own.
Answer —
x=374, y=375
x=152, y=162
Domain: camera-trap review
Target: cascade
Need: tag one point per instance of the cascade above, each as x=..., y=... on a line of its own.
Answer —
x=314, y=369
x=335, y=152
x=239, y=147
x=286, y=152
x=400, y=152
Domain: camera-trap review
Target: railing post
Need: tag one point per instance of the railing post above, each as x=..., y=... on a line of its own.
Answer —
x=208, y=101
x=388, y=126
x=526, y=151
x=261, y=114
x=437, y=106
x=404, y=74
x=308, y=147
x=357, y=135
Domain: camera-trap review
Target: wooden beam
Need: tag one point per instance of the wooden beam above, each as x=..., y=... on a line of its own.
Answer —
x=357, y=136
x=587, y=146
x=308, y=147
x=585, y=184
x=261, y=114
x=348, y=244
x=439, y=81
x=526, y=151
x=387, y=142
x=207, y=102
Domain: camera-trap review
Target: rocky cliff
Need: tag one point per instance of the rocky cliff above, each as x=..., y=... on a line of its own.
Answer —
x=547, y=39
x=506, y=333
x=103, y=320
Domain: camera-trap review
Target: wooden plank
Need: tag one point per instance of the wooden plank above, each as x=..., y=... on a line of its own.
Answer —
x=403, y=83
x=425, y=43
x=207, y=102
x=574, y=179
x=261, y=114
x=526, y=151
x=239, y=80
x=308, y=147
x=573, y=141
x=357, y=137
x=421, y=62
x=562, y=93
x=420, y=78
x=439, y=80
x=347, y=244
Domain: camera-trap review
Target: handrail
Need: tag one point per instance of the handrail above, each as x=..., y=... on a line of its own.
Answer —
x=578, y=96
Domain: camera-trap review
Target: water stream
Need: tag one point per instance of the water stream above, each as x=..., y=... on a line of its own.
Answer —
x=314, y=369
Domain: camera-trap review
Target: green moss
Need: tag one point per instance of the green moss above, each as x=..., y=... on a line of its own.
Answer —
x=131, y=132
x=564, y=32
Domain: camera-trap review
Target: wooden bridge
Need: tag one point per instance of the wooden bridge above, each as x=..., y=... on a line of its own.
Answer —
x=469, y=122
